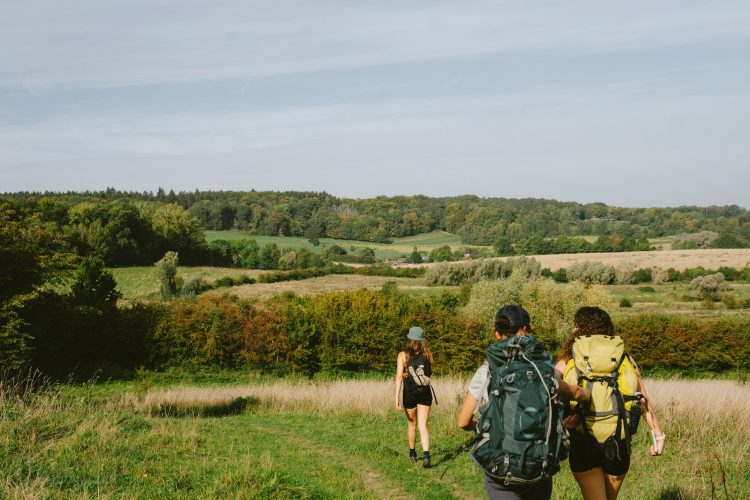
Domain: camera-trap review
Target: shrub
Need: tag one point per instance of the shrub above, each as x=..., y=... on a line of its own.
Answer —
x=678, y=343
x=458, y=273
x=643, y=275
x=709, y=287
x=624, y=303
x=646, y=289
x=550, y=305
x=625, y=274
x=166, y=271
x=590, y=272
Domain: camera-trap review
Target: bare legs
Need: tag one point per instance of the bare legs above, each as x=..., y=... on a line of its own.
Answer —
x=417, y=417
x=423, y=413
x=411, y=426
x=596, y=485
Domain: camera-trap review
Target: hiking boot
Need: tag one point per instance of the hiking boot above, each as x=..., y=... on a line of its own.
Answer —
x=413, y=455
x=426, y=461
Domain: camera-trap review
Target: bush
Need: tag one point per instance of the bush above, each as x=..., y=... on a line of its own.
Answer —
x=709, y=287
x=678, y=343
x=590, y=272
x=643, y=275
x=458, y=273
x=646, y=289
x=625, y=303
x=550, y=305
x=166, y=271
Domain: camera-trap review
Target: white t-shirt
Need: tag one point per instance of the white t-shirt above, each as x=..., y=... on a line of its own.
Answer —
x=479, y=384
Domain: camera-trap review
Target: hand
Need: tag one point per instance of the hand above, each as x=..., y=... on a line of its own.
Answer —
x=660, y=442
x=398, y=405
x=570, y=421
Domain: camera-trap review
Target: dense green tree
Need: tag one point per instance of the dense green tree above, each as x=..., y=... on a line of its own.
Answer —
x=269, y=256
x=93, y=286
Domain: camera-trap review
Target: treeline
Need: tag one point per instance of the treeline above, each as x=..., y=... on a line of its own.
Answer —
x=479, y=221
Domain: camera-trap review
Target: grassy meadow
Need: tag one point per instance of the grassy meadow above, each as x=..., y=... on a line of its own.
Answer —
x=141, y=282
x=399, y=247
x=266, y=438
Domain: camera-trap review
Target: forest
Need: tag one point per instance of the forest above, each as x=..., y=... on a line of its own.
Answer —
x=510, y=225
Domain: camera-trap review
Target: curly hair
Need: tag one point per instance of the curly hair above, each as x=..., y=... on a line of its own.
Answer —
x=588, y=321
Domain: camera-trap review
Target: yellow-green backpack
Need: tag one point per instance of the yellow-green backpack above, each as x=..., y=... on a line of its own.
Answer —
x=600, y=364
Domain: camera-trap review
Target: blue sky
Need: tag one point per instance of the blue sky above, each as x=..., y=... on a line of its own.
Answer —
x=635, y=104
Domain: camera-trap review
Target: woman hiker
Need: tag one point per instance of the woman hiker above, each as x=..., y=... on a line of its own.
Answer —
x=413, y=391
x=510, y=320
x=600, y=469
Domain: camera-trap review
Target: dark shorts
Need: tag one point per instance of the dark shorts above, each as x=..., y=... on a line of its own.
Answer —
x=419, y=396
x=496, y=490
x=586, y=454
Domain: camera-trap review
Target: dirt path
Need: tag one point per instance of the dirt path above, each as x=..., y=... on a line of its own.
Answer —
x=379, y=486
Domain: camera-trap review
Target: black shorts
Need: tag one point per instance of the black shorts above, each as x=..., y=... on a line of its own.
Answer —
x=586, y=454
x=417, y=396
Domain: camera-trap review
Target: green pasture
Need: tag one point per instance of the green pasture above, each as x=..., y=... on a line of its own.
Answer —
x=400, y=246
x=140, y=282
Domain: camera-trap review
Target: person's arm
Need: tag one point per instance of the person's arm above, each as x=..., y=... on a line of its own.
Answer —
x=572, y=391
x=399, y=379
x=650, y=415
x=465, y=419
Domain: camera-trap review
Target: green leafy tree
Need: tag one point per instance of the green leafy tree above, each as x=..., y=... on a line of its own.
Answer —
x=441, y=254
x=31, y=255
x=269, y=256
x=95, y=287
x=415, y=257
x=503, y=247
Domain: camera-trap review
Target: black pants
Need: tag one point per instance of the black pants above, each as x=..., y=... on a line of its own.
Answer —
x=496, y=490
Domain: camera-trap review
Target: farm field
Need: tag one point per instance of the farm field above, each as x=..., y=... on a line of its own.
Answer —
x=678, y=259
x=341, y=439
x=329, y=283
x=400, y=246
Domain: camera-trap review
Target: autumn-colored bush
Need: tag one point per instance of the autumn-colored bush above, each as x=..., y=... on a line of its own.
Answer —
x=684, y=344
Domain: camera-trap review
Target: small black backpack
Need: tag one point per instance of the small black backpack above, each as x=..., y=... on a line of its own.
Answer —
x=419, y=371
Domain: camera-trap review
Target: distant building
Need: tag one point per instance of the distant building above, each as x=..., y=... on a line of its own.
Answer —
x=607, y=218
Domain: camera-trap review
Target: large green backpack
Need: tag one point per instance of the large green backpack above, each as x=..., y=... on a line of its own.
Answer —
x=520, y=434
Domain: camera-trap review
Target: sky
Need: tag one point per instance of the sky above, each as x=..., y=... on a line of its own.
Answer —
x=635, y=103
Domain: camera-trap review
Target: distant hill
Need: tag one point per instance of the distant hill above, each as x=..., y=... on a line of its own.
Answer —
x=478, y=221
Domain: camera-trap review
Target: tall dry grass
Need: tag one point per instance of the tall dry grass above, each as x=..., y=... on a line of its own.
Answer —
x=364, y=396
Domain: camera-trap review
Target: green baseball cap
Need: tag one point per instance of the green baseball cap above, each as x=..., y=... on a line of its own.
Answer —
x=415, y=333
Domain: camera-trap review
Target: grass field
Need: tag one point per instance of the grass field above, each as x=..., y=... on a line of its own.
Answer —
x=294, y=439
x=400, y=246
x=140, y=282
x=673, y=298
